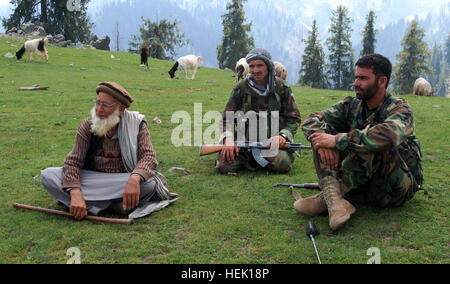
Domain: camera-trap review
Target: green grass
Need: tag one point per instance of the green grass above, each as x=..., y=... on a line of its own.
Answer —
x=218, y=219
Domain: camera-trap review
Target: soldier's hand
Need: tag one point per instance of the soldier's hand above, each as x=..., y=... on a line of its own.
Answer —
x=280, y=140
x=322, y=140
x=77, y=204
x=228, y=151
x=329, y=157
x=132, y=193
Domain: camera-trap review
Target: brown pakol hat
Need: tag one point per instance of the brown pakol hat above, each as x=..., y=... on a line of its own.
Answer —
x=116, y=91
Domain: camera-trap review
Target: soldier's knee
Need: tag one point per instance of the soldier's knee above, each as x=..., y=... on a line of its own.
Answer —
x=224, y=167
x=282, y=163
x=402, y=187
x=282, y=169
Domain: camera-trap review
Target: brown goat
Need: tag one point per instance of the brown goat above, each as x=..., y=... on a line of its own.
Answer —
x=145, y=53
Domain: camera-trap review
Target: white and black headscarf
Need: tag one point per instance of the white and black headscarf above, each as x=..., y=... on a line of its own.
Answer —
x=261, y=54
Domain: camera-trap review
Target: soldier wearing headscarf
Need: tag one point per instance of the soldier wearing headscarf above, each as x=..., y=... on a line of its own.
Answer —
x=261, y=92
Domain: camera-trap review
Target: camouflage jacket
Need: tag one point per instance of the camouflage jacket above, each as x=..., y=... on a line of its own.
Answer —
x=244, y=99
x=390, y=126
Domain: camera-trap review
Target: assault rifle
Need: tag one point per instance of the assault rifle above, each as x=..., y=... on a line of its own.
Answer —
x=303, y=185
x=254, y=148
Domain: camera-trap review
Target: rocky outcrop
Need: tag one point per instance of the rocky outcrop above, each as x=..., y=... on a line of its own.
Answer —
x=101, y=43
x=34, y=30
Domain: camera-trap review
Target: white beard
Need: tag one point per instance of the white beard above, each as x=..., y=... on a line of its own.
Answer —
x=100, y=127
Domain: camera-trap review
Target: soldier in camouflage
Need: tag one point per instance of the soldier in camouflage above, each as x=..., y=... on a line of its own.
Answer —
x=267, y=96
x=365, y=148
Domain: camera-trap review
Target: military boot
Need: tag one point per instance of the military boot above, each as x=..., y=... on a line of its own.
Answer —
x=311, y=206
x=339, y=209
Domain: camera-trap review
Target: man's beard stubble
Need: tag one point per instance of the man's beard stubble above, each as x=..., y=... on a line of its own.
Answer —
x=100, y=127
x=368, y=92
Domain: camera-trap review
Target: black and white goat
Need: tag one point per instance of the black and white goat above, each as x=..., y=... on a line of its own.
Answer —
x=34, y=45
x=186, y=63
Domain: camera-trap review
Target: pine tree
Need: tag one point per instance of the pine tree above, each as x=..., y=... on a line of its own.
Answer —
x=441, y=87
x=53, y=16
x=340, y=66
x=236, y=43
x=412, y=60
x=447, y=50
x=44, y=11
x=25, y=11
x=312, y=68
x=440, y=64
x=74, y=25
x=162, y=37
x=369, y=35
x=445, y=74
x=436, y=58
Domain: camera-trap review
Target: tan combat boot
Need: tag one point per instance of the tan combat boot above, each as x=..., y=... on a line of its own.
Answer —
x=339, y=209
x=311, y=206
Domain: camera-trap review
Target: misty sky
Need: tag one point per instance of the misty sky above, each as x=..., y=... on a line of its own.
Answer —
x=5, y=7
x=420, y=7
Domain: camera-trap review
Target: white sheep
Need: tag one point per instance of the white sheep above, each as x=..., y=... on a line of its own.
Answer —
x=280, y=70
x=186, y=63
x=422, y=88
x=241, y=70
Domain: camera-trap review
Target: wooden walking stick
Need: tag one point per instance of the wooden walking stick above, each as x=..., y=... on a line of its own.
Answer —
x=66, y=214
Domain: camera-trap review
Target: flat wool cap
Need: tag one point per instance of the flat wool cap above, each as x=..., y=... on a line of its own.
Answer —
x=116, y=91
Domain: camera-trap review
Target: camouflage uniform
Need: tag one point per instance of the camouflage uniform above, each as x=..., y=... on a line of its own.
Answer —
x=244, y=99
x=380, y=158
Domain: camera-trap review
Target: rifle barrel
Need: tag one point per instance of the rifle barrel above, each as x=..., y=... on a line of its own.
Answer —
x=211, y=149
x=299, y=146
x=303, y=185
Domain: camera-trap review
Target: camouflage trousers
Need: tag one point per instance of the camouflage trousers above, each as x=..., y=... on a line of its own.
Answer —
x=281, y=163
x=380, y=179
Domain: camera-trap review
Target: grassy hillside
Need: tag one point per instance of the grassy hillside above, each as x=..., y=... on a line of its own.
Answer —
x=218, y=219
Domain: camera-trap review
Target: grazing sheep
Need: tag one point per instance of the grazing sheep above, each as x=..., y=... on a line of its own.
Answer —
x=36, y=45
x=241, y=70
x=422, y=88
x=186, y=63
x=280, y=70
x=145, y=53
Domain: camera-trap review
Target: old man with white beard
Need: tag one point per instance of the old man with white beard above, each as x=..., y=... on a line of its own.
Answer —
x=112, y=165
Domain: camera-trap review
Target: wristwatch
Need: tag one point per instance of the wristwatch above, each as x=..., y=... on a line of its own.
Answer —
x=68, y=189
